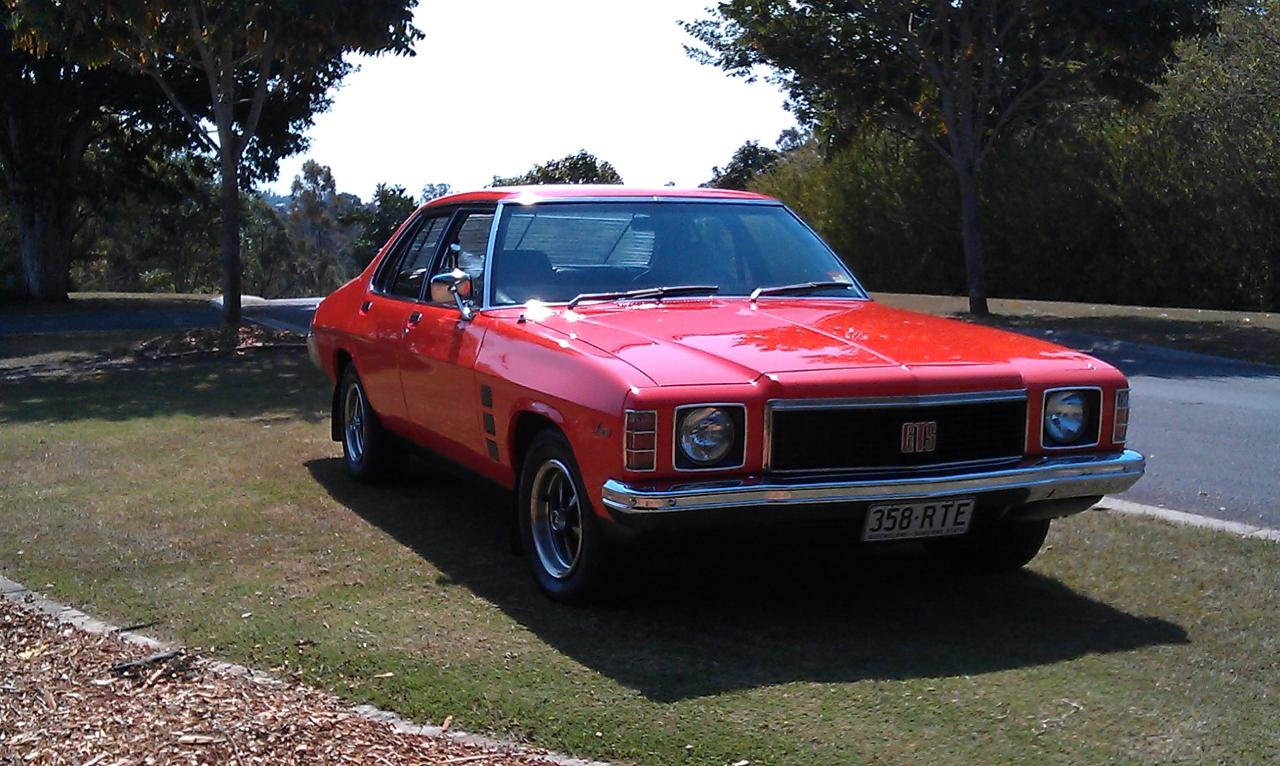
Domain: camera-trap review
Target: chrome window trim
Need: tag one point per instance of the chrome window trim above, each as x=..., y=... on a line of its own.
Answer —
x=1044, y=402
x=675, y=436
x=406, y=238
x=514, y=200
x=873, y=402
x=848, y=271
x=486, y=300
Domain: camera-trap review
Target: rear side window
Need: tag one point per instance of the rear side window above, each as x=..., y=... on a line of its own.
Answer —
x=411, y=272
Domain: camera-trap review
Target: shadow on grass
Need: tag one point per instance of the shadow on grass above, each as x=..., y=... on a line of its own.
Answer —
x=1243, y=350
x=274, y=381
x=699, y=616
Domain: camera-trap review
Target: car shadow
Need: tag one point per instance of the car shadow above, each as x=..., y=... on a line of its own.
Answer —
x=699, y=615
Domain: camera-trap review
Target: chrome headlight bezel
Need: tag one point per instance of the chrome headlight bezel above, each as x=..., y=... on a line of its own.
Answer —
x=1069, y=417
x=724, y=422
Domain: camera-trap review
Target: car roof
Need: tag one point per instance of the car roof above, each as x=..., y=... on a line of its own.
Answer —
x=568, y=192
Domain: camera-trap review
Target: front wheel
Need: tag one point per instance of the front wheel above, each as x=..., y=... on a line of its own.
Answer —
x=1001, y=548
x=561, y=535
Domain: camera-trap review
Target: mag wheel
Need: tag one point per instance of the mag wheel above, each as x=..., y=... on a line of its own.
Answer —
x=371, y=454
x=561, y=534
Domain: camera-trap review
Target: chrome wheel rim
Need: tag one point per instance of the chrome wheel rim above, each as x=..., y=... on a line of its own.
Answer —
x=354, y=417
x=556, y=512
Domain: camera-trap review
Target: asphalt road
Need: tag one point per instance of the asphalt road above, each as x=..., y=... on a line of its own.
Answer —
x=1209, y=426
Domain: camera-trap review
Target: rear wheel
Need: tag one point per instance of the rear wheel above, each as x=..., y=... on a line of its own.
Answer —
x=371, y=454
x=1001, y=548
x=558, y=528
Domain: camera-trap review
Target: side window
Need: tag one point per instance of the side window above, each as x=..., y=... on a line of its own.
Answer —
x=472, y=238
x=412, y=271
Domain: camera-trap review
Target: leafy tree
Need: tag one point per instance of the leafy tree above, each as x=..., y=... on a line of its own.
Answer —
x=435, y=191
x=955, y=75
x=750, y=160
x=322, y=225
x=52, y=111
x=268, y=66
x=580, y=168
x=157, y=232
x=379, y=219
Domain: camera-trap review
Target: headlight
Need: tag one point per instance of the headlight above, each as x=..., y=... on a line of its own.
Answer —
x=1066, y=416
x=706, y=434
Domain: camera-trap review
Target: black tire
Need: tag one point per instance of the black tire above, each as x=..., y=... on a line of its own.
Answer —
x=1002, y=548
x=561, y=536
x=371, y=454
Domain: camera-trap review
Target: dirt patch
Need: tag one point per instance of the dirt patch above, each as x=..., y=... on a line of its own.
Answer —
x=67, y=696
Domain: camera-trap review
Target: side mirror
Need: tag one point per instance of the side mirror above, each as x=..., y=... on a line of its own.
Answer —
x=454, y=286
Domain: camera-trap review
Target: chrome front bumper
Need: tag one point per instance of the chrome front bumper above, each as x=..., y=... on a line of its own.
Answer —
x=1051, y=478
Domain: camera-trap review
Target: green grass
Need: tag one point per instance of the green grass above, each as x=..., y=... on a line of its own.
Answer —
x=207, y=498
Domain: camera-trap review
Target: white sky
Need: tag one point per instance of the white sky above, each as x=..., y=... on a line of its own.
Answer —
x=499, y=85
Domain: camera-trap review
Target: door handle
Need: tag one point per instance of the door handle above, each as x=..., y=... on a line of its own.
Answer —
x=365, y=307
x=415, y=318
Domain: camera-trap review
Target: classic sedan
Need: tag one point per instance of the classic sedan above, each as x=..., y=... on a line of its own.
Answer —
x=628, y=359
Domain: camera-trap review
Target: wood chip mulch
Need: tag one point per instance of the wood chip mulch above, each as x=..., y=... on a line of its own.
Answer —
x=216, y=341
x=71, y=697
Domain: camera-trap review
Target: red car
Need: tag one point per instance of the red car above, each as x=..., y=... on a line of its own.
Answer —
x=624, y=359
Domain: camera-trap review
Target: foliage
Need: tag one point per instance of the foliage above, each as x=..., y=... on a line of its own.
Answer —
x=269, y=68
x=435, y=191
x=378, y=220
x=1177, y=205
x=159, y=234
x=750, y=160
x=52, y=112
x=580, y=168
x=954, y=76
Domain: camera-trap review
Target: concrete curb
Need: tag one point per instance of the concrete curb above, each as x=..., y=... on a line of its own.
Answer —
x=1182, y=518
x=19, y=594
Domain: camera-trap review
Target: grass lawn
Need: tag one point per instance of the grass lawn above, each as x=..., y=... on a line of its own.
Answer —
x=206, y=498
x=1249, y=335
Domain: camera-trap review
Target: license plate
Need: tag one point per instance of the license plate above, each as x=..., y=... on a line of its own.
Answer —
x=908, y=521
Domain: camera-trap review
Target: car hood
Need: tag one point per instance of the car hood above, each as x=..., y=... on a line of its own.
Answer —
x=692, y=342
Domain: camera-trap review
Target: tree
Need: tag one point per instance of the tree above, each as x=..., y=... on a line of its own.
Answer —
x=380, y=218
x=750, y=160
x=955, y=75
x=580, y=168
x=52, y=111
x=434, y=191
x=268, y=67
x=322, y=224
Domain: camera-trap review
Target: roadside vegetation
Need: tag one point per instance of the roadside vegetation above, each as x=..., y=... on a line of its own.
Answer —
x=206, y=498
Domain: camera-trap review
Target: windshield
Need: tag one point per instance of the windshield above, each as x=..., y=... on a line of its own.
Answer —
x=555, y=252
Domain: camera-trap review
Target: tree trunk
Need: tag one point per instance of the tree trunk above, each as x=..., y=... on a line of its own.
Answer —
x=230, y=203
x=971, y=234
x=44, y=244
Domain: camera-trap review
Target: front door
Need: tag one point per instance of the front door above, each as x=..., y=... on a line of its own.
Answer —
x=389, y=306
x=439, y=355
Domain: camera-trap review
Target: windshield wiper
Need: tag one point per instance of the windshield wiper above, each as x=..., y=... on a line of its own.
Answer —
x=799, y=287
x=646, y=292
